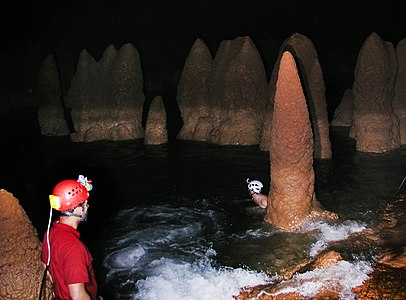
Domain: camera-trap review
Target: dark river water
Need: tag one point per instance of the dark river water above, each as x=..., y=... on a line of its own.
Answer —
x=175, y=221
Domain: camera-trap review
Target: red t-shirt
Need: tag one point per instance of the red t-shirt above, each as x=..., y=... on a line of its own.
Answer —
x=71, y=261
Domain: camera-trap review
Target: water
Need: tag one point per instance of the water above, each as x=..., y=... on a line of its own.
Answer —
x=175, y=221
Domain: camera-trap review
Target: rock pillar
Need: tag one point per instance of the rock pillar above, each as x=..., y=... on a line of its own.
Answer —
x=292, y=199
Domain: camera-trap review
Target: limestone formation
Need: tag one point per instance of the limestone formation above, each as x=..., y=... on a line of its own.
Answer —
x=311, y=73
x=50, y=113
x=155, y=129
x=235, y=92
x=107, y=96
x=20, y=266
x=292, y=199
x=318, y=111
x=375, y=126
x=238, y=93
x=343, y=113
x=399, y=102
x=266, y=131
x=192, y=94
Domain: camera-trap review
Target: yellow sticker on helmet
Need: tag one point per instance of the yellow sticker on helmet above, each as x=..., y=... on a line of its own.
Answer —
x=55, y=202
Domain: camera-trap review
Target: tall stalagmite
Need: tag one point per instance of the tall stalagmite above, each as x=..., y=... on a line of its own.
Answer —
x=292, y=199
x=343, y=113
x=375, y=126
x=107, y=96
x=238, y=93
x=155, y=127
x=399, y=101
x=192, y=95
x=50, y=109
x=305, y=54
x=223, y=101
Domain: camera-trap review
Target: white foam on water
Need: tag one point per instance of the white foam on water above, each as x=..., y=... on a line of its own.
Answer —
x=149, y=233
x=255, y=233
x=175, y=280
x=141, y=243
x=340, y=278
x=331, y=233
x=163, y=253
x=127, y=257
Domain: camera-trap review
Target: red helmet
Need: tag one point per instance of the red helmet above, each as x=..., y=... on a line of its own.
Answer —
x=68, y=194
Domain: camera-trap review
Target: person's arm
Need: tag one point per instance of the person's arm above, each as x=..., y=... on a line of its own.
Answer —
x=260, y=199
x=78, y=292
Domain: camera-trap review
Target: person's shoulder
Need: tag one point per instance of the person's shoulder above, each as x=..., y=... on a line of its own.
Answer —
x=71, y=244
x=65, y=232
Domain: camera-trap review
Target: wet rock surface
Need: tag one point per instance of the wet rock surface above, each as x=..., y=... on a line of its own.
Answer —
x=20, y=267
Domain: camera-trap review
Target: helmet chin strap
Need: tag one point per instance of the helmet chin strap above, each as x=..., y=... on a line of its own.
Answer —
x=82, y=216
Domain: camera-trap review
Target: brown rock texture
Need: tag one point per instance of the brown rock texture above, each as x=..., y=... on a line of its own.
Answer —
x=305, y=54
x=266, y=291
x=292, y=176
x=392, y=233
x=235, y=92
x=292, y=199
x=238, y=92
x=343, y=113
x=192, y=96
x=386, y=281
x=399, y=102
x=50, y=113
x=326, y=259
x=155, y=128
x=318, y=111
x=20, y=266
x=266, y=131
x=107, y=96
x=375, y=126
